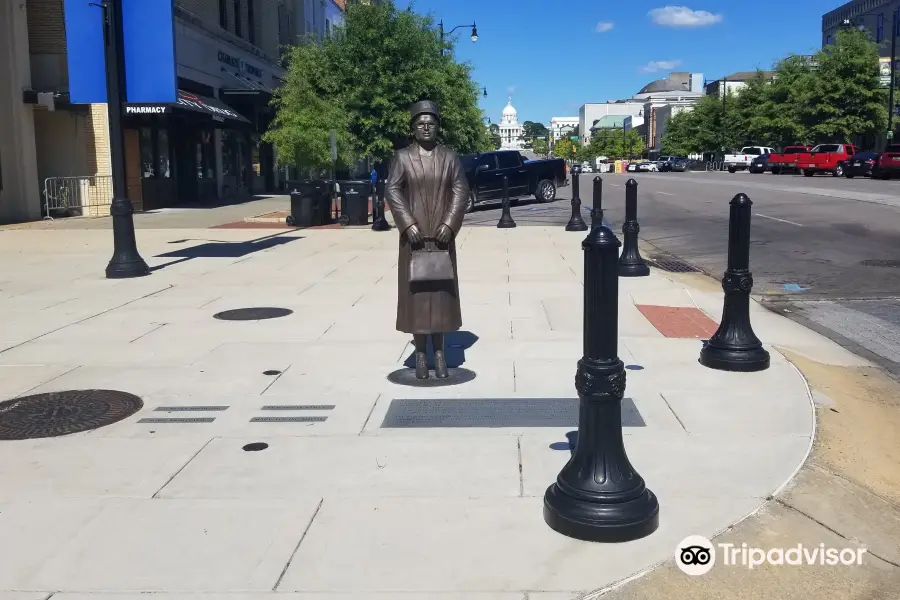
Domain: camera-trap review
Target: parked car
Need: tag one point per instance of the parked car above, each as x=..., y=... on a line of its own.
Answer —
x=825, y=158
x=538, y=178
x=632, y=167
x=861, y=164
x=760, y=164
x=742, y=160
x=781, y=162
x=679, y=165
x=647, y=167
x=888, y=163
x=586, y=167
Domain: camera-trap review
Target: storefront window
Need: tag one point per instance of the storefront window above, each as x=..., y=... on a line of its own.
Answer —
x=147, y=163
x=162, y=146
x=206, y=156
x=229, y=154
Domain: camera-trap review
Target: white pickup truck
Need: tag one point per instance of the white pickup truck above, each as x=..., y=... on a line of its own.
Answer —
x=742, y=160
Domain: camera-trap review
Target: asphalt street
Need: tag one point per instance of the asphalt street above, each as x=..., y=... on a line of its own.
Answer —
x=825, y=251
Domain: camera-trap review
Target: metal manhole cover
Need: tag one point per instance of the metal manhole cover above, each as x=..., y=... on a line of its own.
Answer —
x=61, y=413
x=673, y=266
x=494, y=412
x=253, y=314
x=880, y=262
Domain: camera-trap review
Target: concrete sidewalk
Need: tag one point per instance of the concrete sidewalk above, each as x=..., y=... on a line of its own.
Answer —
x=345, y=506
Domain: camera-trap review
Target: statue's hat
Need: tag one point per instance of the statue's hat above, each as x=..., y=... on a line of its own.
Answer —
x=423, y=107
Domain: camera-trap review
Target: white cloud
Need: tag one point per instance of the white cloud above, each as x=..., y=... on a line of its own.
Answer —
x=682, y=16
x=604, y=26
x=660, y=65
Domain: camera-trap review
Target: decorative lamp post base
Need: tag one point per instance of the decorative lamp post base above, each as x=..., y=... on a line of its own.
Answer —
x=607, y=522
x=126, y=262
x=634, y=269
x=576, y=224
x=730, y=359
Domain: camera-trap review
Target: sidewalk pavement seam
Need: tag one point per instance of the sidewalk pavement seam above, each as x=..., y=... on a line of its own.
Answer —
x=365, y=424
x=168, y=287
x=155, y=495
x=297, y=547
x=832, y=530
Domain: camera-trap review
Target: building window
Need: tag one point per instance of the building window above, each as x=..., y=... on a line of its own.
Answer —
x=148, y=164
x=828, y=40
x=879, y=29
x=162, y=146
x=223, y=14
x=238, y=30
x=251, y=26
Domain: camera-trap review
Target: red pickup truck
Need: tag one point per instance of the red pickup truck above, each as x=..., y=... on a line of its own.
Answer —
x=887, y=163
x=786, y=159
x=825, y=158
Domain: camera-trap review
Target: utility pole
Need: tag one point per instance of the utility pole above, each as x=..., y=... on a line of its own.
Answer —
x=724, y=97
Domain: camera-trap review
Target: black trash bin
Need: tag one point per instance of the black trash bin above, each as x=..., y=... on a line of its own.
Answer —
x=355, y=202
x=310, y=204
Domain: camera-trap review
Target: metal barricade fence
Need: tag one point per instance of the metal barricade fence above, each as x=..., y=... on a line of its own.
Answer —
x=88, y=196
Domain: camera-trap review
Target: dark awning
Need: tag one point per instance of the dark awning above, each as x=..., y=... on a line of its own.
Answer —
x=189, y=102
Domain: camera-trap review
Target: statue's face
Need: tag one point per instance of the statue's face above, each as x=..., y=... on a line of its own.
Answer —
x=426, y=127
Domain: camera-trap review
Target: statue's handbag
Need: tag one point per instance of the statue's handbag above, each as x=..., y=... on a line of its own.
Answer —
x=430, y=264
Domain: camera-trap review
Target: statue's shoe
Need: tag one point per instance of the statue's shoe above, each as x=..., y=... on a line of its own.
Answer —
x=421, y=366
x=440, y=365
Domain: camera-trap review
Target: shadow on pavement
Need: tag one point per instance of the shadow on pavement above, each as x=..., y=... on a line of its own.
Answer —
x=215, y=249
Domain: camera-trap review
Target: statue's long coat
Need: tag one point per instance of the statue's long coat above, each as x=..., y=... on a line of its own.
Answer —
x=427, y=200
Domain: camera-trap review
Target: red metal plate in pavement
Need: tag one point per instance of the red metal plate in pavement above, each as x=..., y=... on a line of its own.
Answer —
x=679, y=321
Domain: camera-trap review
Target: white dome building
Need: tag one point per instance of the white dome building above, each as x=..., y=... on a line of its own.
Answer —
x=510, y=130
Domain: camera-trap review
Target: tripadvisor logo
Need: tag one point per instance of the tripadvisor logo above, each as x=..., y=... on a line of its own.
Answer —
x=696, y=555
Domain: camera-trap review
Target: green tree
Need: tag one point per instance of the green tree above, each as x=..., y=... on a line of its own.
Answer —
x=360, y=83
x=847, y=101
x=495, y=140
x=833, y=96
x=563, y=148
x=614, y=143
x=531, y=129
x=540, y=147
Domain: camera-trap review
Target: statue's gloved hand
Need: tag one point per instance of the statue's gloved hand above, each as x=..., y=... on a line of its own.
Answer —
x=444, y=235
x=414, y=235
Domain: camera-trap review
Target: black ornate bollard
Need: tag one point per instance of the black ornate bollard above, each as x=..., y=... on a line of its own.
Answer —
x=598, y=496
x=576, y=223
x=734, y=346
x=506, y=220
x=380, y=222
x=597, y=209
x=630, y=263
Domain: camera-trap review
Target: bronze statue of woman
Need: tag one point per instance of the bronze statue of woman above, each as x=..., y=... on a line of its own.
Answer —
x=427, y=192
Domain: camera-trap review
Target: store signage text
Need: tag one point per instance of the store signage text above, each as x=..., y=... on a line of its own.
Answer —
x=145, y=110
x=239, y=64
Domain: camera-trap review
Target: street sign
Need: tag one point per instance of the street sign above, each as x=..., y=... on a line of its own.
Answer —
x=574, y=138
x=890, y=134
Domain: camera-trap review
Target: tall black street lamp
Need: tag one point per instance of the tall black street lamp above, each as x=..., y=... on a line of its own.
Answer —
x=126, y=261
x=474, y=35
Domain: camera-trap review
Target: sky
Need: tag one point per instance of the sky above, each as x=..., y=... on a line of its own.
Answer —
x=555, y=55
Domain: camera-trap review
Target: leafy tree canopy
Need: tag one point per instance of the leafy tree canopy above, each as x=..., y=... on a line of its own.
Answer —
x=833, y=96
x=530, y=130
x=360, y=83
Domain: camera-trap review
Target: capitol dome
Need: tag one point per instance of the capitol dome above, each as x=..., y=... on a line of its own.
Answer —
x=510, y=130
